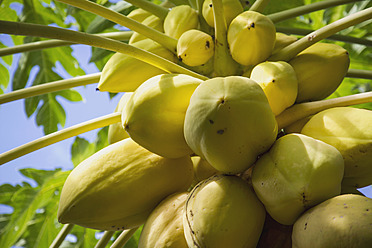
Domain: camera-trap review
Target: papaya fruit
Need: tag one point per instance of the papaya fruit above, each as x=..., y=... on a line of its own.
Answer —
x=116, y=131
x=151, y=21
x=155, y=114
x=223, y=211
x=117, y=187
x=202, y=169
x=164, y=226
x=297, y=126
x=349, y=130
x=320, y=69
x=297, y=173
x=282, y=40
x=195, y=48
x=279, y=82
x=225, y=128
x=344, y=221
x=123, y=73
x=180, y=19
x=139, y=14
x=251, y=38
x=231, y=8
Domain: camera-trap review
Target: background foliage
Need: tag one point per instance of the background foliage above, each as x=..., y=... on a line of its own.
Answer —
x=33, y=221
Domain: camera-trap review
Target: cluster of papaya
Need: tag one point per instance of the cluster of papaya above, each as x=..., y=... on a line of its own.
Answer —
x=200, y=163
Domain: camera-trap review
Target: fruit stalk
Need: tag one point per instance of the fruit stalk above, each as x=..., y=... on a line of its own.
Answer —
x=259, y=5
x=96, y=41
x=59, y=136
x=118, y=18
x=103, y=241
x=335, y=37
x=355, y=73
x=123, y=238
x=50, y=87
x=305, y=9
x=302, y=110
x=66, y=229
x=39, y=45
x=154, y=9
x=293, y=49
x=224, y=65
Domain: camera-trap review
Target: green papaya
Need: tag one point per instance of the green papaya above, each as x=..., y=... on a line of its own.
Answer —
x=139, y=14
x=297, y=173
x=320, y=69
x=229, y=123
x=155, y=114
x=297, y=126
x=231, y=8
x=164, y=226
x=282, y=40
x=180, y=19
x=251, y=38
x=223, y=211
x=116, y=131
x=123, y=73
x=151, y=21
x=349, y=130
x=279, y=82
x=118, y=187
x=195, y=48
x=343, y=221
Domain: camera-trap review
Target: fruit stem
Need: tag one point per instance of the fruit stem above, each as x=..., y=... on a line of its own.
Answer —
x=224, y=65
x=335, y=37
x=305, y=9
x=293, y=49
x=355, y=73
x=163, y=39
x=29, y=29
x=104, y=239
x=59, y=136
x=302, y=110
x=154, y=9
x=259, y=5
x=38, y=45
x=193, y=4
x=50, y=87
x=123, y=238
x=66, y=229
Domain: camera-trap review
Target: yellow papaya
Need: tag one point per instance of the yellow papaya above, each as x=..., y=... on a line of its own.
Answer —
x=118, y=187
x=279, y=82
x=282, y=40
x=251, y=38
x=297, y=173
x=225, y=128
x=139, y=14
x=223, y=211
x=349, y=130
x=151, y=21
x=164, y=227
x=320, y=69
x=180, y=19
x=231, y=8
x=202, y=169
x=343, y=221
x=155, y=114
x=116, y=131
x=297, y=126
x=123, y=73
x=195, y=48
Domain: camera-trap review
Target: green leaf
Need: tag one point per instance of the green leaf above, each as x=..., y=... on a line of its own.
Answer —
x=71, y=95
x=80, y=150
x=4, y=78
x=7, y=59
x=50, y=114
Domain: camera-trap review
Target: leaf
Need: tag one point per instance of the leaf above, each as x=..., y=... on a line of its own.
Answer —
x=50, y=114
x=80, y=150
x=7, y=59
x=70, y=94
x=4, y=78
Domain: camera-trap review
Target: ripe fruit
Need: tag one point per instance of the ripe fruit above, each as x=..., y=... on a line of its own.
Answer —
x=279, y=82
x=202, y=169
x=155, y=114
x=139, y=14
x=123, y=73
x=231, y=8
x=251, y=37
x=349, y=130
x=180, y=19
x=116, y=131
x=195, y=47
x=164, y=227
x=150, y=21
x=282, y=40
x=225, y=128
x=343, y=221
x=297, y=173
x=223, y=211
x=118, y=187
x=320, y=70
